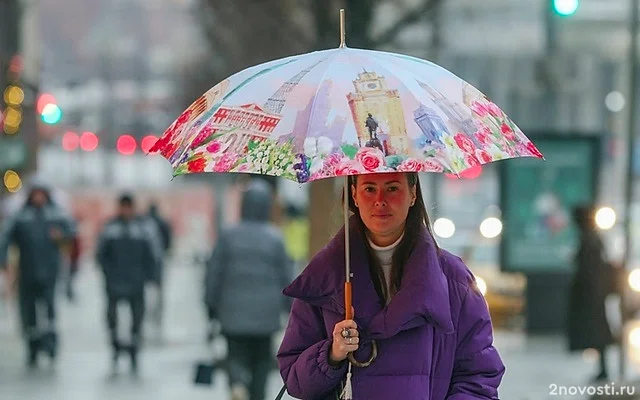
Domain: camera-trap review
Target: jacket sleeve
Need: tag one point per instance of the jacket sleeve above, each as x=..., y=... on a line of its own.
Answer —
x=303, y=357
x=7, y=233
x=478, y=368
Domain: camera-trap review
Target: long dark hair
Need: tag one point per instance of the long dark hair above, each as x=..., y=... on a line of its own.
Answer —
x=417, y=221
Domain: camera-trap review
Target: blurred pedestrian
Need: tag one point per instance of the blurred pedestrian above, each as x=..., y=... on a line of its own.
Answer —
x=126, y=255
x=38, y=230
x=244, y=279
x=422, y=329
x=592, y=281
x=162, y=229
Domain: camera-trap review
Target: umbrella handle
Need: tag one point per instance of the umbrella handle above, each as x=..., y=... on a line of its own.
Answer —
x=373, y=356
x=347, y=301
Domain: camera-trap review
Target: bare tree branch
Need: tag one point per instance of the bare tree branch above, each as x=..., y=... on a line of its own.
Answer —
x=409, y=18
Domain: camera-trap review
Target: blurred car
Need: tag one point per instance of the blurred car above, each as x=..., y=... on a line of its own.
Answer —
x=478, y=246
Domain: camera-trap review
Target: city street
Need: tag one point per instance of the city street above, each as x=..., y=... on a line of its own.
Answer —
x=83, y=369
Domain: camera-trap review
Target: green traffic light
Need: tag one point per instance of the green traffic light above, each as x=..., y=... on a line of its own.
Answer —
x=51, y=114
x=565, y=7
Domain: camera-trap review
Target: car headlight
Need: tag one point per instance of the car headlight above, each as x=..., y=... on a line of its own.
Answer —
x=634, y=280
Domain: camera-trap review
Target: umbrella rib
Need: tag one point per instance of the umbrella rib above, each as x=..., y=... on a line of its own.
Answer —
x=315, y=95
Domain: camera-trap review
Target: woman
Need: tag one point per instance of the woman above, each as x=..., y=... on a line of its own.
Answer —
x=418, y=303
x=588, y=326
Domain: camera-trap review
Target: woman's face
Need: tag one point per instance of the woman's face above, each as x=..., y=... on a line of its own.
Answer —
x=383, y=201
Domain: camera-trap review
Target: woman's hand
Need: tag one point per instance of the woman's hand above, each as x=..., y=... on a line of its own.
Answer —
x=345, y=340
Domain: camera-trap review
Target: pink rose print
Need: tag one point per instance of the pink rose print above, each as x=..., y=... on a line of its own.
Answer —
x=479, y=108
x=214, y=147
x=471, y=161
x=464, y=143
x=432, y=166
x=494, y=110
x=348, y=167
x=483, y=156
x=485, y=109
x=225, y=163
x=507, y=132
x=332, y=160
x=410, y=165
x=483, y=135
x=370, y=158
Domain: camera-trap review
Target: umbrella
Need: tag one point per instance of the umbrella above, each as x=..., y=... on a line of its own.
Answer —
x=341, y=112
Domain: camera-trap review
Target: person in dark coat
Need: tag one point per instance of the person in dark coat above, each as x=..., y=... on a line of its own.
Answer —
x=125, y=251
x=245, y=276
x=587, y=321
x=163, y=229
x=38, y=230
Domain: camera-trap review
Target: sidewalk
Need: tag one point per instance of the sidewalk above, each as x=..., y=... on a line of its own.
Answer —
x=533, y=364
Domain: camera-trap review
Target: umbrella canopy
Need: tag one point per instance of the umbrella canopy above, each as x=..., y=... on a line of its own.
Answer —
x=341, y=112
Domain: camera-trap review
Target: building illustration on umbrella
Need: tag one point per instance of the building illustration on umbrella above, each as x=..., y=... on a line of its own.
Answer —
x=252, y=122
x=372, y=104
x=433, y=126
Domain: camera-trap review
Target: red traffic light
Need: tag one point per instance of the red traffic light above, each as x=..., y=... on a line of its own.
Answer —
x=89, y=141
x=70, y=141
x=126, y=145
x=43, y=100
x=148, y=142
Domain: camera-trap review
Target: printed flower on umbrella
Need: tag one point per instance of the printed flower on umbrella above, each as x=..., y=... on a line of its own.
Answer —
x=270, y=158
x=371, y=159
x=168, y=143
x=411, y=165
x=495, y=128
x=197, y=163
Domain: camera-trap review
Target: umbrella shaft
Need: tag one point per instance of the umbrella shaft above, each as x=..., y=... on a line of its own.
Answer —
x=347, y=252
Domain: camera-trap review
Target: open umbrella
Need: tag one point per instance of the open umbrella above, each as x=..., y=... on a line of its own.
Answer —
x=341, y=112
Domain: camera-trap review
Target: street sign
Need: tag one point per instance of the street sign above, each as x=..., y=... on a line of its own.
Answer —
x=13, y=153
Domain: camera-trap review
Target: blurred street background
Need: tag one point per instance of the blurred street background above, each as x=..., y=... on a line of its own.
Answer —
x=88, y=86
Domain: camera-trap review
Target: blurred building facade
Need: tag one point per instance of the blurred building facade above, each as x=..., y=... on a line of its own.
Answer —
x=118, y=70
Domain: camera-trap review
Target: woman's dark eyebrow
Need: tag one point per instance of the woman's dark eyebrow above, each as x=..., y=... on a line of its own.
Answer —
x=386, y=183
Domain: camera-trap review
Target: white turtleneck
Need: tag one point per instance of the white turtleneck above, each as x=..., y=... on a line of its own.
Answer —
x=385, y=257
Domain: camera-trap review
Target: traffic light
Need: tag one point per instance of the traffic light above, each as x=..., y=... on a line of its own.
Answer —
x=49, y=111
x=565, y=8
x=126, y=145
x=14, y=153
x=148, y=142
x=12, y=114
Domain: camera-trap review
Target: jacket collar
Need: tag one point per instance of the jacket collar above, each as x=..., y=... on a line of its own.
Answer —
x=423, y=296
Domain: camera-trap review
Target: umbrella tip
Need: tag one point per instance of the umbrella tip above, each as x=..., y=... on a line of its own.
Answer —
x=342, y=29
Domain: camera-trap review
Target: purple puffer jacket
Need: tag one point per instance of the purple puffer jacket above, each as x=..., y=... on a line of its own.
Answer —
x=435, y=339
